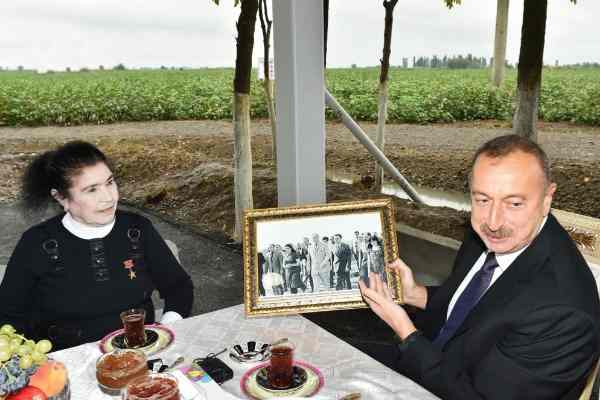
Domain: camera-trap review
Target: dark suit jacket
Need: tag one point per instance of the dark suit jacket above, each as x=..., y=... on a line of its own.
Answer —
x=341, y=259
x=273, y=261
x=533, y=335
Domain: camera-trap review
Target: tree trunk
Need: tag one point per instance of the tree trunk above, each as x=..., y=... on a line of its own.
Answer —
x=531, y=59
x=500, y=42
x=380, y=141
x=268, y=87
x=242, y=160
x=383, y=86
x=241, y=113
x=265, y=25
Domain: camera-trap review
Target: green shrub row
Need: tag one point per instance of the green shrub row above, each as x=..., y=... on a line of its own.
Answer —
x=416, y=96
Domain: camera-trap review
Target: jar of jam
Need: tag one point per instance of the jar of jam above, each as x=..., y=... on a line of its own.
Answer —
x=116, y=369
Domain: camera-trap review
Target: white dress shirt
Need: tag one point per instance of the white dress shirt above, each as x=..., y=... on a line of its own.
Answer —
x=504, y=261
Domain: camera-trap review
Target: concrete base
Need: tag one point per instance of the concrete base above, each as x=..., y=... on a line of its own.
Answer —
x=429, y=257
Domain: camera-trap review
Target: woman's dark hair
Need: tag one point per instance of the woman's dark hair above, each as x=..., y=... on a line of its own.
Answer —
x=291, y=247
x=378, y=240
x=54, y=169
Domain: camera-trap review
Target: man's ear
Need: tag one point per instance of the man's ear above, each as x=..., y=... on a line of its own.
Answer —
x=548, y=197
x=61, y=200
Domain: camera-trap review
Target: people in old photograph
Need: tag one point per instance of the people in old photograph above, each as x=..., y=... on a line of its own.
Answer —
x=291, y=266
x=272, y=278
x=320, y=263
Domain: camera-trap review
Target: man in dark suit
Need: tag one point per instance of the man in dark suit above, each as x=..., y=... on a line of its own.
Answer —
x=273, y=266
x=519, y=316
x=341, y=262
x=276, y=262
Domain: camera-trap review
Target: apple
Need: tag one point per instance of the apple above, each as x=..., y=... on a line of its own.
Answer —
x=28, y=393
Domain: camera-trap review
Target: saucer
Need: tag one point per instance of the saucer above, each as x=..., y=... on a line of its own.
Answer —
x=307, y=381
x=118, y=341
x=299, y=378
x=158, y=337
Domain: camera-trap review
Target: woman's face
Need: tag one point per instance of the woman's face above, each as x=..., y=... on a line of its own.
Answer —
x=93, y=196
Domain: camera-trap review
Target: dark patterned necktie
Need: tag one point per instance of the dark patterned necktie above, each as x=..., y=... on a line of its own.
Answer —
x=467, y=300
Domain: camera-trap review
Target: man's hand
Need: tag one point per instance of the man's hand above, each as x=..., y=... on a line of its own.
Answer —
x=414, y=294
x=379, y=298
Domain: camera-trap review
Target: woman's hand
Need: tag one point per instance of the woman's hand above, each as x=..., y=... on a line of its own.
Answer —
x=413, y=294
x=379, y=298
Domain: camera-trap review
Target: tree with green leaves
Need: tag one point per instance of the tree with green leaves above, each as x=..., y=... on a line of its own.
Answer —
x=531, y=61
x=500, y=36
x=242, y=158
x=383, y=84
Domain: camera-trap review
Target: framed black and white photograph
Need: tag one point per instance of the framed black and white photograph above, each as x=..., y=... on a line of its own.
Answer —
x=308, y=259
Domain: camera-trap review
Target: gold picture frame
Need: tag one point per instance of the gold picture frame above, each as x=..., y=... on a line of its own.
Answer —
x=585, y=232
x=283, y=274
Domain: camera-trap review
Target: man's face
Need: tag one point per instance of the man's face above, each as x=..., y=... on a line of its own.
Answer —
x=509, y=200
x=315, y=238
x=277, y=248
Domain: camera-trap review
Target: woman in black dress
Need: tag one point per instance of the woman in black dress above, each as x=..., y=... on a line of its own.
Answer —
x=69, y=277
x=291, y=265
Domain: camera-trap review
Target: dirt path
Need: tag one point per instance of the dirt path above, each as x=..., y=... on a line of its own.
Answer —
x=182, y=168
x=561, y=141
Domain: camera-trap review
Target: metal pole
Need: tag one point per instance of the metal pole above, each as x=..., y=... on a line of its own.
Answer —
x=299, y=102
x=381, y=159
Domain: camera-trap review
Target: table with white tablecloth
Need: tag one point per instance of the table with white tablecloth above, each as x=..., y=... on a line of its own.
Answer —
x=345, y=369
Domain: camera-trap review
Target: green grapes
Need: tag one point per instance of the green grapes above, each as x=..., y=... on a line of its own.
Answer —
x=19, y=358
x=37, y=357
x=43, y=346
x=7, y=329
x=5, y=355
x=23, y=350
x=25, y=362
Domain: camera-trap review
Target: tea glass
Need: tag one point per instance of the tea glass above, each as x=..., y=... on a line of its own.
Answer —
x=281, y=369
x=133, y=323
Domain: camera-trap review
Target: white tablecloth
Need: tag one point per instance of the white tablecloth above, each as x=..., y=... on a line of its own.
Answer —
x=344, y=368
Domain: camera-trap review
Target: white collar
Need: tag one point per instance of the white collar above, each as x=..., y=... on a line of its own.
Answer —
x=84, y=231
x=504, y=260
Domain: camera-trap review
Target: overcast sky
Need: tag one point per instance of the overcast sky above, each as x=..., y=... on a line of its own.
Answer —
x=87, y=33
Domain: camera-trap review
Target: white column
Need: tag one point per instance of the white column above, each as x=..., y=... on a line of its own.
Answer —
x=298, y=44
